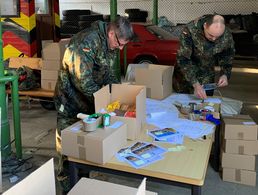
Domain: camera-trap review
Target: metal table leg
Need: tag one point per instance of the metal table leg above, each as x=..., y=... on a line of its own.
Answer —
x=196, y=190
x=73, y=169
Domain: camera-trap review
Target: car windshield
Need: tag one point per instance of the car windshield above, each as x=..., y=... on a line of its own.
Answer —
x=160, y=33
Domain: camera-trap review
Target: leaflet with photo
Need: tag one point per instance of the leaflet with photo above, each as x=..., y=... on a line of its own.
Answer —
x=141, y=154
x=137, y=162
x=149, y=151
x=168, y=135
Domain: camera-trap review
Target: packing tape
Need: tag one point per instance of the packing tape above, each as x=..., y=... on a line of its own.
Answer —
x=80, y=140
x=241, y=149
x=82, y=152
x=148, y=92
x=240, y=135
x=238, y=175
x=91, y=124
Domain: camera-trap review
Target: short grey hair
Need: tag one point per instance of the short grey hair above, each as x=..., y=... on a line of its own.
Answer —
x=122, y=28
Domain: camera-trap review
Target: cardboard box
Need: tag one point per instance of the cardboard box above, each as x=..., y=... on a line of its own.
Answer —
x=48, y=84
x=51, y=64
x=98, y=146
x=240, y=147
x=49, y=74
x=54, y=51
x=63, y=45
x=92, y=186
x=156, y=78
x=239, y=176
x=51, y=51
x=126, y=94
x=238, y=161
x=45, y=42
x=240, y=127
x=34, y=63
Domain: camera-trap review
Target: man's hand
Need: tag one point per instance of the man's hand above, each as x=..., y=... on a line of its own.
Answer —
x=223, y=81
x=199, y=91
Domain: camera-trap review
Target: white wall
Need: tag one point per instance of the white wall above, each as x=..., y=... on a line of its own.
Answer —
x=177, y=11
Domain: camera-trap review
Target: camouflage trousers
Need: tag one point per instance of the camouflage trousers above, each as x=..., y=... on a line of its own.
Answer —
x=63, y=168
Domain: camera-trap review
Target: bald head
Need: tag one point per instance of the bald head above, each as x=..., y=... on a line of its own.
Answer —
x=214, y=27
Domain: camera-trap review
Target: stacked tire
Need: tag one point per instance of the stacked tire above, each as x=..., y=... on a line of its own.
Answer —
x=136, y=15
x=76, y=20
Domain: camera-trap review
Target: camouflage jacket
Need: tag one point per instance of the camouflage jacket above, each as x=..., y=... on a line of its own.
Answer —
x=197, y=57
x=87, y=66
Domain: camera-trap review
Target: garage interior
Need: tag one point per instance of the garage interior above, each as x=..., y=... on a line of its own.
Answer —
x=38, y=124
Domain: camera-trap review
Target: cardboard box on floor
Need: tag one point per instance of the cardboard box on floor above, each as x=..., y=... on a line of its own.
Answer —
x=156, y=78
x=126, y=94
x=49, y=74
x=239, y=176
x=40, y=182
x=239, y=127
x=92, y=186
x=240, y=146
x=48, y=84
x=238, y=161
x=98, y=146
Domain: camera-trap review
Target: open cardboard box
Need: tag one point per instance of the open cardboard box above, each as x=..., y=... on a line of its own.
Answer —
x=40, y=182
x=126, y=94
x=156, y=78
x=92, y=186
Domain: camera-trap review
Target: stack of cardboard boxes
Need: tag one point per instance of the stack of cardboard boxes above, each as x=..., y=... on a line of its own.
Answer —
x=239, y=145
x=52, y=55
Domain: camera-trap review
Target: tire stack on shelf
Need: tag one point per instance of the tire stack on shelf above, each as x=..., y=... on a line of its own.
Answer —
x=136, y=15
x=76, y=20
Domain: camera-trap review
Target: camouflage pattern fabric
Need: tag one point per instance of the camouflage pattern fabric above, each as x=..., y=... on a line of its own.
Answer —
x=197, y=57
x=28, y=79
x=87, y=67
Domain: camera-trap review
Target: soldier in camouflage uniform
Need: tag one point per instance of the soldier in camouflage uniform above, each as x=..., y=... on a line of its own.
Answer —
x=87, y=67
x=204, y=44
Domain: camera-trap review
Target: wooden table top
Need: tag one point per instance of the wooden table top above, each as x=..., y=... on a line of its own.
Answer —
x=187, y=166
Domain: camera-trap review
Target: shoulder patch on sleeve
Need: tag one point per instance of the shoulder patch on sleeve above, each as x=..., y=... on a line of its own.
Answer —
x=86, y=49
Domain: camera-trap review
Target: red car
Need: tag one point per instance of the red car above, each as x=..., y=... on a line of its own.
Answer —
x=151, y=44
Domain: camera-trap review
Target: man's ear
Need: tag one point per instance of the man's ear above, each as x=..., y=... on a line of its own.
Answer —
x=111, y=33
x=205, y=26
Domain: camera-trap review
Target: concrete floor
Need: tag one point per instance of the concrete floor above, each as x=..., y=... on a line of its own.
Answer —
x=38, y=138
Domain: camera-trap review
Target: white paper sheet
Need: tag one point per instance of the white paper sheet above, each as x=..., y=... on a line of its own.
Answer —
x=191, y=129
x=157, y=106
x=186, y=98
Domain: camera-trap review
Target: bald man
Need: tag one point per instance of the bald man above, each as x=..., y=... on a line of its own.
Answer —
x=204, y=44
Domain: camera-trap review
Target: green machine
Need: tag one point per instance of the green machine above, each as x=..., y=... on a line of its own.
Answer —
x=8, y=77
